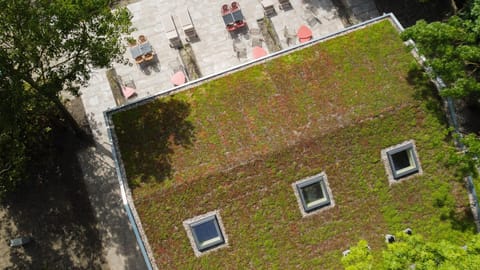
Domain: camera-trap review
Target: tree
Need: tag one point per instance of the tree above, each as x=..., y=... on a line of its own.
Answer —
x=359, y=257
x=452, y=50
x=48, y=46
x=413, y=252
x=467, y=161
x=51, y=46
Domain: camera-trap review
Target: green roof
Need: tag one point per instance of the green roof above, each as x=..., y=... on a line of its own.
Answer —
x=237, y=143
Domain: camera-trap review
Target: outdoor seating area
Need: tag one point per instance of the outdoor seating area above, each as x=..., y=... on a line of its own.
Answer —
x=142, y=51
x=193, y=33
x=233, y=17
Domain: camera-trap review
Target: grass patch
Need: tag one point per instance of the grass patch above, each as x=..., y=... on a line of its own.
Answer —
x=238, y=142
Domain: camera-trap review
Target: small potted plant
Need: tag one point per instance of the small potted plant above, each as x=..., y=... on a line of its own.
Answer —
x=131, y=41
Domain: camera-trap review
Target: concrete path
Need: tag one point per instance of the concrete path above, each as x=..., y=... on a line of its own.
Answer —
x=118, y=240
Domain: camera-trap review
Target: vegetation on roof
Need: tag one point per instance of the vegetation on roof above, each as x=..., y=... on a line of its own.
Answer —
x=238, y=142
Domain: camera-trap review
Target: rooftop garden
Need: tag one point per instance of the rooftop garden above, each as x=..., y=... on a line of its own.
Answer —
x=237, y=143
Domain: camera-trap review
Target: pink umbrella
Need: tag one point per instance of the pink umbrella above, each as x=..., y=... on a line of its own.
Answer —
x=128, y=91
x=304, y=34
x=178, y=78
x=258, y=52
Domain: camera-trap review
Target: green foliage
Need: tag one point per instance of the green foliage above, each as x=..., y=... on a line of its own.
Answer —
x=452, y=50
x=414, y=252
x=47, y=47
x=359, y=258
x=467, y=161
x=24, y=137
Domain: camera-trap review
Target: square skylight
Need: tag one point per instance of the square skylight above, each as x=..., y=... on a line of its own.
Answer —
x=313, y=193
x=401, y=161
x=205, y=232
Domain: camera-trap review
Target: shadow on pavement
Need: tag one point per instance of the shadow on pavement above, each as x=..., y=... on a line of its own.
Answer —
x=56, y=212
x=119, y=242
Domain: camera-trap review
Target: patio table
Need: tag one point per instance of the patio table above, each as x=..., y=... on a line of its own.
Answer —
x=146, y=47
x=136, y=51
x=228, y=19
x=141, y=49
x=237, y=15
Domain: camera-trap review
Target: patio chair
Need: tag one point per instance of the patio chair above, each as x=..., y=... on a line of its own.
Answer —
x=149, y=56
x=128, y=87
x=234, y=6
x=187, y=25
x=257, y=41
x=128, y=92
x=225, y=9
x=285, y=5
x=268, y=8
x=239, y=48
x=231, y=28
x=311, y=20
x=289, y=35
x=240, y=24
x=171, y=31
x=254, y=31
x=139, y=59
x=176, y=66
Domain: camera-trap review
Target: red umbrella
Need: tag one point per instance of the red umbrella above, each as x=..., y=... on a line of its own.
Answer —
x=178, y=78
x=258, y=52
x=304, y=34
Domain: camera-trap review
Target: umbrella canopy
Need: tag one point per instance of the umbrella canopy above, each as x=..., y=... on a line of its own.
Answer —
x=178, y=78
x=304, y=33
x=258, y=52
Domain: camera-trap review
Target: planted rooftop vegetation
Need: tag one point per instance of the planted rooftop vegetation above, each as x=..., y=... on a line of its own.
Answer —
x=237, y=143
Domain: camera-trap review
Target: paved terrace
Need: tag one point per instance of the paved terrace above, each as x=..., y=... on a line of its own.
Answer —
x=213, y=51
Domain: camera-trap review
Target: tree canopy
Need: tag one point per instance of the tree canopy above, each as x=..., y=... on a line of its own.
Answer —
x=414, y=252
x=452, y=50
x=48, y=46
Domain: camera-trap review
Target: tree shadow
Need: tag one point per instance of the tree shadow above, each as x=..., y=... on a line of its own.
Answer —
x=468, y=112
x=55, y=210
x=426, y=92
x=409, y=12
x=118, y=239
x=461, y=221
x=147, y=136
